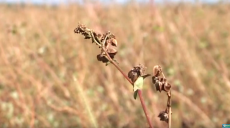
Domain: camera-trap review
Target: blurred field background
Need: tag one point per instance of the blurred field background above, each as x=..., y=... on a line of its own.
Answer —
x=40, y=54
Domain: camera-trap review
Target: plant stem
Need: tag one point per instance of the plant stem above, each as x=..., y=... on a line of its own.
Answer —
x=86, y=103
x=169, y=109
x=144, y=108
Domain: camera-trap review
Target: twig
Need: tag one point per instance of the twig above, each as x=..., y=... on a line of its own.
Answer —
x=144, y=108
x=168, y=105
x=86, y=103
x=169, y=109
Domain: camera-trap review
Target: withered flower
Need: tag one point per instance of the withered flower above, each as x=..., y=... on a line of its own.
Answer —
x=157, y=83
x=102, y=58
x=81, y=29
x=107, y=42
x=166, y=87
x=157, y=70
x=110, y=48
x=164, y=116
x=112, y=41
x=133, y=75
x=161, y=84
x=136, y=72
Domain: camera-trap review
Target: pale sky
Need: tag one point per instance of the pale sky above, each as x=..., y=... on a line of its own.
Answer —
x=120, y=1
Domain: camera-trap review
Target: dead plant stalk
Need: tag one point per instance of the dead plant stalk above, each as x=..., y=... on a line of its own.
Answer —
x=108, y=44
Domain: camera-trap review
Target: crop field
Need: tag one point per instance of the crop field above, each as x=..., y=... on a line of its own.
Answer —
x=40, y=54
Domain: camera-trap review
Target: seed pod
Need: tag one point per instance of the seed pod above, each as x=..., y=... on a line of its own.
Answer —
x=164, y=116
x=112, y=55
x=112, y=41
x=111, y=49
x=102, y=58
x=166, y=87
x=136, y=72
x=157, y=70
x=158, y=85
x=133, y=75
x=162, y=80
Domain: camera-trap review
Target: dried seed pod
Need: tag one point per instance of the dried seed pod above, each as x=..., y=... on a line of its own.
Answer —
x=136, y=72
x=112, y=55
x=161, y=79
x=166, y=87
x=111, y=49
x=157, y=85
x=108, y=35
x=102, y=58
x=157, y=70
x=133, y=75
x=111, y=41
x=141, y=69
x=164, y=116
x=160, y=86
x=114, y=42
x=154, y=79
x=80, y=29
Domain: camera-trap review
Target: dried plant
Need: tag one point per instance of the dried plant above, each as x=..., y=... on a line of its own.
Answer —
x=108, y=45
x=161, y=84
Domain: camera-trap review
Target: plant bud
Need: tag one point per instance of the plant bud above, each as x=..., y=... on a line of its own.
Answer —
x=133, y=75
x=166, y=87
x=157, y=70
x=164, y=116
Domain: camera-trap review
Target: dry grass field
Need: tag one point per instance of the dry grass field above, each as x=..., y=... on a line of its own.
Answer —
x=40, y=54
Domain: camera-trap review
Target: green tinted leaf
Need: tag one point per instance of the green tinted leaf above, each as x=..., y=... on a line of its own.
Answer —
x=138, y=85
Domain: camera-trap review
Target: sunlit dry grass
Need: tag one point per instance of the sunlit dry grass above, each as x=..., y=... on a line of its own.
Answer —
x=39, y=55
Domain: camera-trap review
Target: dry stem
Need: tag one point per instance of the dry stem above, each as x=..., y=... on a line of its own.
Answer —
x=169, y=109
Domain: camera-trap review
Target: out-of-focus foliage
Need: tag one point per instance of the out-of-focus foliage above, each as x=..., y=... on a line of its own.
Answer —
x=39, y=54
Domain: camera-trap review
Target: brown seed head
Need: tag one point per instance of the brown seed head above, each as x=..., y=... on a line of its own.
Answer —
x=163, y=116
x=166, y=87
x=157, y=70
x=136, y=72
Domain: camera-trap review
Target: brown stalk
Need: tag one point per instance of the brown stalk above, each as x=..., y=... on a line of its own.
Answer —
x=169, y=105
x=160, y=81
x=169, y=109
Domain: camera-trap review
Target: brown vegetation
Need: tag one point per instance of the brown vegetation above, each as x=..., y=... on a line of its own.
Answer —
x=39, y=54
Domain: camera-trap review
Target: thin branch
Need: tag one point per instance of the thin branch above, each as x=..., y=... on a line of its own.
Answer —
x=144, y=108
x=169, y=109
x=91, y=33
x=168, y=105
